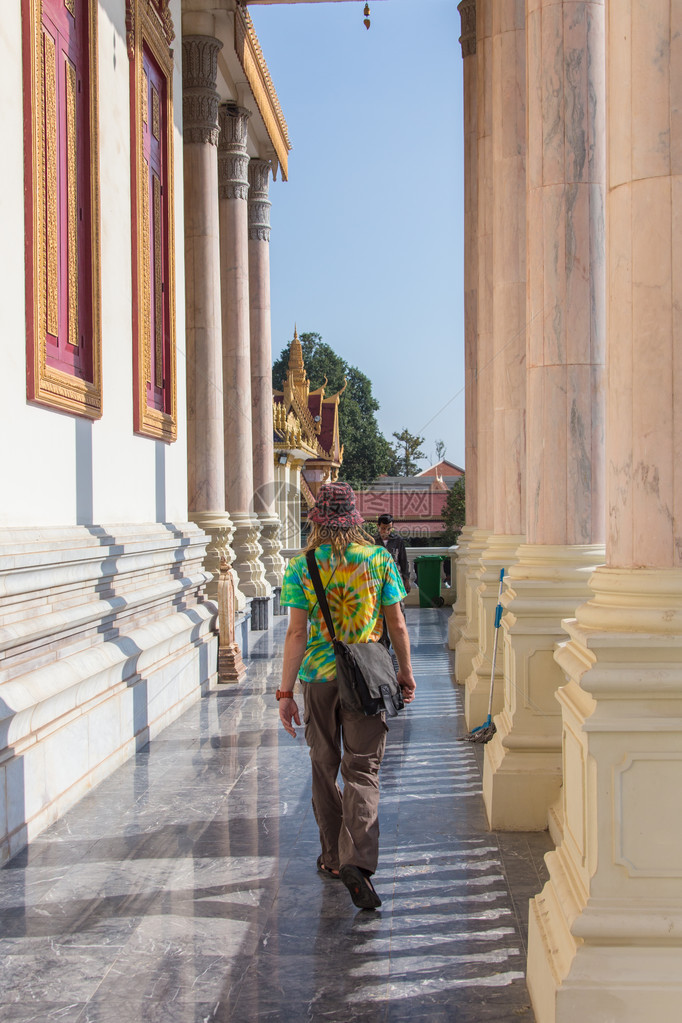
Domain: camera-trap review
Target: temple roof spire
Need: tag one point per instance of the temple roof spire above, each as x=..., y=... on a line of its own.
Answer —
x=297, y=371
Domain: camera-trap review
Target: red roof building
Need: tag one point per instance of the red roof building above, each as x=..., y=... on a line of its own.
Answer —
x=415, y=502
x=447, y=471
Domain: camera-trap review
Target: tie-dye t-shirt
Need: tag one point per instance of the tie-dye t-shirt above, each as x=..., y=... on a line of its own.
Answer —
x=356, y=588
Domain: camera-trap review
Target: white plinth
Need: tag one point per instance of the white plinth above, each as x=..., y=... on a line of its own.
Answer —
x=605, y=935
x=500, y=553
x=522, y=772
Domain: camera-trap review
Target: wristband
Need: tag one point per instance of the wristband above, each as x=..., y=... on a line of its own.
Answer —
x=281, y=695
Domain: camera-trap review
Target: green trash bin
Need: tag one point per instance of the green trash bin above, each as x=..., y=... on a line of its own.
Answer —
x=429, y=568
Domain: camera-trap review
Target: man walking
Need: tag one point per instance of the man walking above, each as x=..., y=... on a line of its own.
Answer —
x=362, y=588
x=395, y=546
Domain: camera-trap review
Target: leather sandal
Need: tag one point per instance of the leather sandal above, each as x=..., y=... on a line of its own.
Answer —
x=333, y=875
x=360, y=887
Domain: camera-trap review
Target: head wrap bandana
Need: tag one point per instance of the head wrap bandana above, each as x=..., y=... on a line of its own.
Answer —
x=335, y=507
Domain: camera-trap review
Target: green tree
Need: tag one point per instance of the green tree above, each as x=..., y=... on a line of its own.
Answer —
x=367, y=454
x=454, y=512
x=407, y=452
x=440, y=450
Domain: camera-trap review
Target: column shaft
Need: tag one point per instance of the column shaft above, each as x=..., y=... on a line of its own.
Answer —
x=484, y=304
x=234, y=262
x=467, y=646
x=206, y=467
x=261, y=371
x=509, y=267
x=565, y=369
x=233, y=187
x=501, y=360
x=205, y=450
x=566, y=307
x=458, y=619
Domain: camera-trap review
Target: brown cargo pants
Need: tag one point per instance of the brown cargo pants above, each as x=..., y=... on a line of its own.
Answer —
x=348, y=820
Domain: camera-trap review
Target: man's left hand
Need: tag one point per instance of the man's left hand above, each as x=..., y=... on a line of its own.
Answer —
x=288, y=711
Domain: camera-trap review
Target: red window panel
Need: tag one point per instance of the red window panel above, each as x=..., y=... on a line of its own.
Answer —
x=62, y=238
x=154, y=129
x=150, y=33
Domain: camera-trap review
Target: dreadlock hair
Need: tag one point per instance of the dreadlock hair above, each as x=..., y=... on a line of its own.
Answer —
x=338, y=538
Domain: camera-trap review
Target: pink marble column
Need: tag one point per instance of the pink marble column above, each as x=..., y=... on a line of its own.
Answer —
x=467, y=9
x=644, y=427
x=261, y=371
x=471, y=650
x=458, y=620
x=205, y=451
x=261, y=346
x=565, y=340
x=205, y=462
x=501, y=302
x=484, y=290
x=566, y=282
x=509, y=266
x=233, y=189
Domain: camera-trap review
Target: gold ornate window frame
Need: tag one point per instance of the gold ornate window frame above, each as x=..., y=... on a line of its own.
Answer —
x=45, y=384
x=149, y=24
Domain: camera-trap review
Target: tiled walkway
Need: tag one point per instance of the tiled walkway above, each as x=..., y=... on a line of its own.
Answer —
x=184, y=890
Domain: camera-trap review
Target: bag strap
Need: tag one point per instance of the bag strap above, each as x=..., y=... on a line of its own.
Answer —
x=316, y=579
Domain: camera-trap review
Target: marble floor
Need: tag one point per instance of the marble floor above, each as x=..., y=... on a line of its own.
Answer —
x=183, y=889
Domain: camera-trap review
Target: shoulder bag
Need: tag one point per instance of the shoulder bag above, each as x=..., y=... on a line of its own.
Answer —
x=364, y=671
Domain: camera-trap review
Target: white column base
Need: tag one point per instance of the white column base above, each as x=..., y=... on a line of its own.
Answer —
x=522, y=771
x=501, y=552
x=467, y=644
x=247, y=555
x=273, y=562
x=555, y=820
x=458, y=619
x=605, y=937
x=218, y=525
x=619, y=973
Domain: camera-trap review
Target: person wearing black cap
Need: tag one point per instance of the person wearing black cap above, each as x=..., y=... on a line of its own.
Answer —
x=395, y=546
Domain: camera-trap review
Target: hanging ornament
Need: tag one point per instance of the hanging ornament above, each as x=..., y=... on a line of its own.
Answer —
x=367, y=21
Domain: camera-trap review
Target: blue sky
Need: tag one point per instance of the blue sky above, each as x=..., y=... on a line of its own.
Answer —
x=367, y=233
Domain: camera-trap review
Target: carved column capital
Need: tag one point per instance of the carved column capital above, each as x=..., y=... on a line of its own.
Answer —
x=259, y=203
x=199, y=96
x=467, y=10
x=233, y=160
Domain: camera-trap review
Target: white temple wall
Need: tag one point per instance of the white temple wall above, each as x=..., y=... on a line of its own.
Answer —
x=106, y=634
x=59, y=469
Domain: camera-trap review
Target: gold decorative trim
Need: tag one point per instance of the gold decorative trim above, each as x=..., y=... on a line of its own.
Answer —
x=50, y=243
x=156, y=115
x=71, y=7
x=158, y=294
x=157, y=12
x=72, y=204
x=253, y=63
x=48, y=385
x=145, y=99
x=145, y=298
x=149, y=25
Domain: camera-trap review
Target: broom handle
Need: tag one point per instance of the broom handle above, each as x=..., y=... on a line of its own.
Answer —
x=498, y=619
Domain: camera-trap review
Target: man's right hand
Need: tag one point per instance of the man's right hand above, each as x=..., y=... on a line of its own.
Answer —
x=407, y=684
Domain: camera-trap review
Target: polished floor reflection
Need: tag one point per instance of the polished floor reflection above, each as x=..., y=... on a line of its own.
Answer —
x=184, y=890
